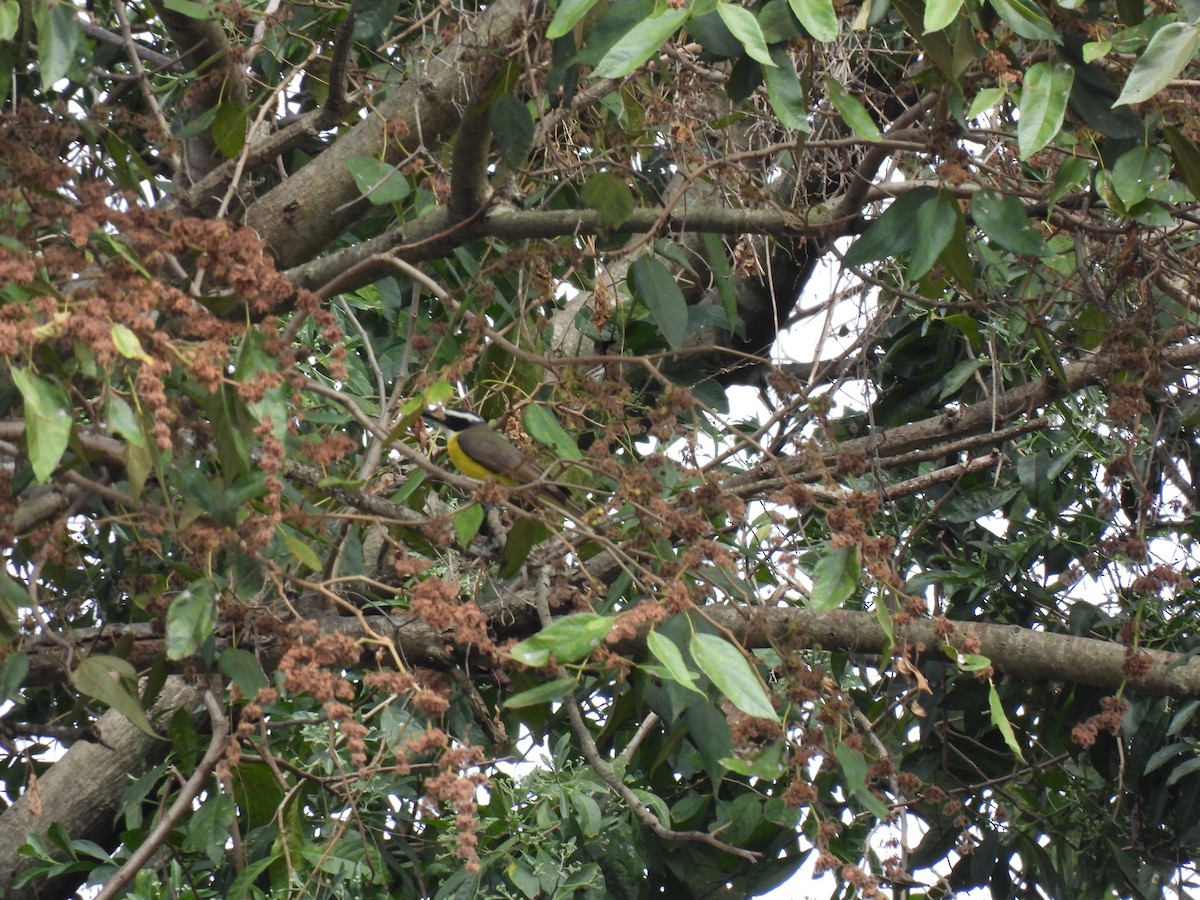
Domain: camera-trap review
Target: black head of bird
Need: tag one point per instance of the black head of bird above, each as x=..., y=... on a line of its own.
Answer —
x=479, y=451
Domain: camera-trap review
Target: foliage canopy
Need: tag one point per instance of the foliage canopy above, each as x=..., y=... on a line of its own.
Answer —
x=864, y=336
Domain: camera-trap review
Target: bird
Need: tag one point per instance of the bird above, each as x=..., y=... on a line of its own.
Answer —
x=479, y=451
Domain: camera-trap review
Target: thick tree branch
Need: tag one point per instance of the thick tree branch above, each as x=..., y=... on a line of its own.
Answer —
x=953, y=427
x=160, y=61
x=82, y=791
x=435, y=234
x=1020, y=652
x=316, y=204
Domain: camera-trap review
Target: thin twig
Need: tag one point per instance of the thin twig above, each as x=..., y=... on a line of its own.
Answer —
x=182, y=805
x=592, y=754
x=135, y=61
x=340, y=63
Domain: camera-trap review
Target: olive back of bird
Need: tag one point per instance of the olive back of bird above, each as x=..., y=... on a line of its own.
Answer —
x=480, y=452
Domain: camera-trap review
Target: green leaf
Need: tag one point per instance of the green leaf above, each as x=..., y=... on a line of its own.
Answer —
x=940, y=13
x=244, y=669
x=122, y=420
x=936, y=44
x=588, y=816
x=1180, y=720
x=957, y=258
x=985, y=100
x=768, y=764
x=47, y=421
x=609, y=196
x=1072, y=173
x=1025, y=19
x=13, y=672
x=651, y=283
x=660, y=809
x=512, y=124
x=10, y=18
x=300, y=549
x=1000, y=720
x=641, y=42
x=777, y=22
x=785, y=93
x=190, y=620
x=568, y=639
x=960, y=375
x=127, y=343
x=567, y=16
x=13, y=597
x=114, y=243
x=467, y=521
x=971, y=662
x=852, y=111
x=835, y=577
x=967, y=325
x=113, y=682
x=1091, y=327
x=970, y=506
x=1003, y=218
x=817, y=17
x=372, y=17
x=1094, y=50
x=710, y=30
x=543, y=693
x=1047, y=88
x=1137, y=172
x=1172, y=47
x=254, y=359
x=727, y=668
x=205, y=829
x=854, y=767
x=892, y=233
x=60, y=40
x=722, y=273
x=745, y=28
x=1185, y=768
x=672, y=659
x=1186, y=156
x=520, y=542
x=1164, y=755
x=936, y=221
x=541, y=425
x=229, y=129
x=380, y=183
x=191, y=9
x=139, y=463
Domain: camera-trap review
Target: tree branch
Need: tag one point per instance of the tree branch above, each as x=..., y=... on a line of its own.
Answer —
x=313, y=206
x=79, y=791
x=434, y=234
x=954, y=426
x=182, y=805
x=1019, y=652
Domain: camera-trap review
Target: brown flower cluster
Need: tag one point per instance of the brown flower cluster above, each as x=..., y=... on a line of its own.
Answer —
x=436, y=601
x=458, y=784
x=1109, y=719
x=306, y=667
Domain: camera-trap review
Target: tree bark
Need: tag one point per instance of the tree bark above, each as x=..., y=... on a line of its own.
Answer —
x=314, y=206
x=1015, y=651
x=81, y=792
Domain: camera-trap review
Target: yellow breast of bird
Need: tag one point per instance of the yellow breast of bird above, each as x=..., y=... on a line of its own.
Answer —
x=466, y=464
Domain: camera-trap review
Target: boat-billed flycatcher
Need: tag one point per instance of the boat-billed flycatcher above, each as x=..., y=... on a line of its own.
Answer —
x=479, y=451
